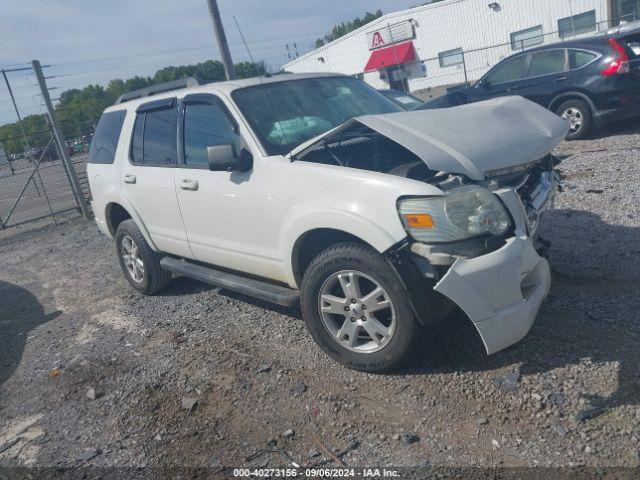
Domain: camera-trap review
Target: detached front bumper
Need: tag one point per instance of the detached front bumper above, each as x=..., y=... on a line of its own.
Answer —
x=501, y=292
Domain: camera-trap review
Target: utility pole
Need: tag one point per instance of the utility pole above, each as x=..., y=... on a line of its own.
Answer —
x=57, y=132
x=221, y=38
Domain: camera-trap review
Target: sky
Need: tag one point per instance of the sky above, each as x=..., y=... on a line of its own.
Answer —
x=92, y=41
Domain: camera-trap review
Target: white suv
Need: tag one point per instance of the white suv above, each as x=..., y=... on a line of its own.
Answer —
x=317, y=191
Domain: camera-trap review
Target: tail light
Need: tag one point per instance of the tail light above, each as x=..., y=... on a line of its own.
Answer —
x=620, y=63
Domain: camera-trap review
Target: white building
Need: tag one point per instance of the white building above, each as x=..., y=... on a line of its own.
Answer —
x=423, y=46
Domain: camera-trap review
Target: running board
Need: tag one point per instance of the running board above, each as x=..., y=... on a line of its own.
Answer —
x=269, y=292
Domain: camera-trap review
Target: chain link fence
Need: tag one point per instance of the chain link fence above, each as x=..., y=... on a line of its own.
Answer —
x=34, y=184
x=35, y=181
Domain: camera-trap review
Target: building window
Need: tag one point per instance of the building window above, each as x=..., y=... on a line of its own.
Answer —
x=627, y=10
x=450, y=58
x=527, y=38
x=582, y=23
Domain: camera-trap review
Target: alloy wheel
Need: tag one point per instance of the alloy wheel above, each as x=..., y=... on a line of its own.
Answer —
x=131, y=258
x=575, y=119
x=357, y=311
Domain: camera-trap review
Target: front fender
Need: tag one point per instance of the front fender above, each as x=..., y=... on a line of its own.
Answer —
x=352, y=223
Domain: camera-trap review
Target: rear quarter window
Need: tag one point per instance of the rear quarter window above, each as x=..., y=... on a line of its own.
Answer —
x=580, y=58
x=105, y=139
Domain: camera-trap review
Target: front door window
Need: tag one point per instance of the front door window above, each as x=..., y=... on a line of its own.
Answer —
x=206, y=125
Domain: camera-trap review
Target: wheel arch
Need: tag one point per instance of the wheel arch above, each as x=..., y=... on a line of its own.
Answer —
x=118, y=211
x=324, y=227
x=573, y=95
x=309, y=244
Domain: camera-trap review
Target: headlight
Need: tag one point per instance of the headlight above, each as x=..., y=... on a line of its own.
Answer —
x=462, y=213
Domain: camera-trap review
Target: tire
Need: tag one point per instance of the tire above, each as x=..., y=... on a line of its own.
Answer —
x=327, y=275
x=151, y=278
x=579, y=115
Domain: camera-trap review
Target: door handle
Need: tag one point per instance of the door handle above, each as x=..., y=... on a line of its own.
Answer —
x=188, y=184
x=511, y=89
x=562, y=78
x=129, y=178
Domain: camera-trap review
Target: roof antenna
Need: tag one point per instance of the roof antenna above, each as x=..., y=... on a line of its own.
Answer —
x=264, y=89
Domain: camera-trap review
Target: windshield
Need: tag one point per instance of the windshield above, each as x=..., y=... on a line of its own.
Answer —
x=405, y=100
x=286, y=114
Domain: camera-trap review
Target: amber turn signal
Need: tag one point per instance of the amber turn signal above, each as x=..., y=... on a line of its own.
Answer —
x=419, y=220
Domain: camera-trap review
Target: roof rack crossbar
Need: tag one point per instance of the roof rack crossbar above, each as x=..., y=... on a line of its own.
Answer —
x=156, y=89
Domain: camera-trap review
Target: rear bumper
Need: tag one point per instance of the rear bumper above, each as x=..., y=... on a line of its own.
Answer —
x=628, y=108
x=101, y=222
x=501, y=292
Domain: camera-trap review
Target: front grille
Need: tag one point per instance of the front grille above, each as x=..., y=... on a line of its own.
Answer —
x=535, y=187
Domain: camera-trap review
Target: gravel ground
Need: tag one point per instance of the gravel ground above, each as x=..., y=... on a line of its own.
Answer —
x=91, y=373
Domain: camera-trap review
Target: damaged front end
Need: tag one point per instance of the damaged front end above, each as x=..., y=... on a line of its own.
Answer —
x=499, y=281
x=477, y=244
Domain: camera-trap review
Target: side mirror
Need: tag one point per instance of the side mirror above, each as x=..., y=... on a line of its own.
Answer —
x=224, y=158
x=486, y=83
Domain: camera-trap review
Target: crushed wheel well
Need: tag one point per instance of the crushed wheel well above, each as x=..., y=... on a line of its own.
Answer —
x=116, y=214
x=309, y=245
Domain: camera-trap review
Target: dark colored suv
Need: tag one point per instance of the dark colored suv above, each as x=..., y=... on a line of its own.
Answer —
x=589, y=81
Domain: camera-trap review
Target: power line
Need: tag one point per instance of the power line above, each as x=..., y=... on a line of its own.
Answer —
x=156, y=63
x=148, y=54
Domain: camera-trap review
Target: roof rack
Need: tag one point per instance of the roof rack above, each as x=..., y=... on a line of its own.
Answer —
x=156, y=89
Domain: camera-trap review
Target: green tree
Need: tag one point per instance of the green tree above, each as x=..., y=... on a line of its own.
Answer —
x=249, y=69
x=79, y=109
x=342, y=29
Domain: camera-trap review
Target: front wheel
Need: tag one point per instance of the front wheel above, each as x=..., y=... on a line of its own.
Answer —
x=578, y=114
x=356, y=309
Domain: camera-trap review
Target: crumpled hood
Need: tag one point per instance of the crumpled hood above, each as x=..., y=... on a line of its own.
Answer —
x=472, y=139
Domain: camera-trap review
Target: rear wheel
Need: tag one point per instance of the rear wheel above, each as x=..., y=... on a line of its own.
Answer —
x=140, y=264
x=578, y=114
x=357, y=311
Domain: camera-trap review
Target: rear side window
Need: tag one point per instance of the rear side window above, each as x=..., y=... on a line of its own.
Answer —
x=160, y=135
x=509, y=71
x=105, y=139
x=136, y=144
x=154, y=137
x=580, y=58
x=547, y=63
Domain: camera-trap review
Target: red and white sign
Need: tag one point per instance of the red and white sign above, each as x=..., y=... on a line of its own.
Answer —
x=390, y=34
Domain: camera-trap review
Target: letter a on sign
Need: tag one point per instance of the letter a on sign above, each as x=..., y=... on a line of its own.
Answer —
x=377, y=40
